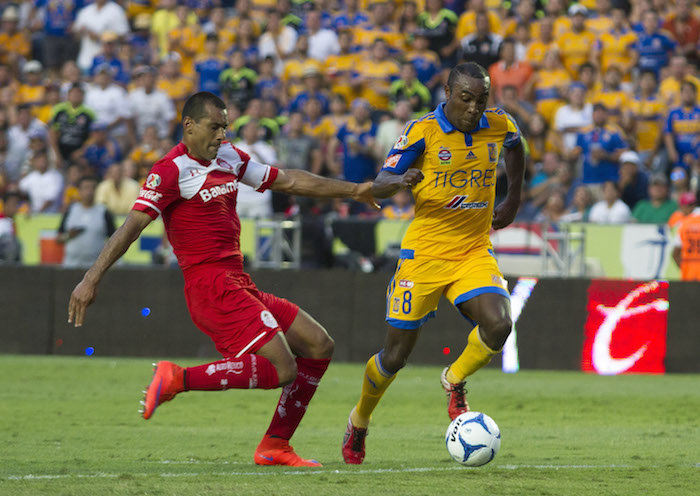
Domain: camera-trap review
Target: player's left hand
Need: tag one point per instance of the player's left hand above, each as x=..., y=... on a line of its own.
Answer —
x=504, y=214
x=83, y=295
x=363, y=193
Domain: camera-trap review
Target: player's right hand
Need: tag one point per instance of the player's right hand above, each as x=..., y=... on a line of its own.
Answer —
x=411, y=177
x=83, y=295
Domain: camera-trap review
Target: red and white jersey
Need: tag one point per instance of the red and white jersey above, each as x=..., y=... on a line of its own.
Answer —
x=197, y=200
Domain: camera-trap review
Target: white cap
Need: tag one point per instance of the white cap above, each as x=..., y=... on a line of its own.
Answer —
x=32, y=66
x=577, y=8
x=630, y=157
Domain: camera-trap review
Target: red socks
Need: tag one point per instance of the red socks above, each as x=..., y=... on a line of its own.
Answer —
x=296, y=396
x=246, y=372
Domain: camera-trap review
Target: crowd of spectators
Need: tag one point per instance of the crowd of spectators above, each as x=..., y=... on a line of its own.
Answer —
x=604, y=91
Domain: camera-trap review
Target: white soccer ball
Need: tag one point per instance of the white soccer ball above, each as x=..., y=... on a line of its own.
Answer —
x=473, y=439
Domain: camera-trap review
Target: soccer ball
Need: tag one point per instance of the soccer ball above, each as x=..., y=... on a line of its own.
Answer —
x=473, y=439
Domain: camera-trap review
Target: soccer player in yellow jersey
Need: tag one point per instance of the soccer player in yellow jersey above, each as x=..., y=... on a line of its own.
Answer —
x=448, y=158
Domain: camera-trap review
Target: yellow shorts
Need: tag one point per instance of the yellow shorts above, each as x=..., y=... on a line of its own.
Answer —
x=414, y=292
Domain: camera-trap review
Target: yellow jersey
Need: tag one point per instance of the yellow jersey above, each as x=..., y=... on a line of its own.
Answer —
x=648, y=116
x=670, y=90
x=466, y=24
x=615, y=50
x=454, y=202
x=615, y=100
x=536, y=51
x=575, y=49
x=550, y=91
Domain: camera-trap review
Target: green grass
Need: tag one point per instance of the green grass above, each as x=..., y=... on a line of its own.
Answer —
x=69, y=426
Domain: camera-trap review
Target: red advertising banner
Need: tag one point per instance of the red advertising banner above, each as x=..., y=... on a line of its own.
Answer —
x=625, y=331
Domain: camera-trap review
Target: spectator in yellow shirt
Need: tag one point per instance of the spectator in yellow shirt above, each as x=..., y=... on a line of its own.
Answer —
x=15, y=44
x=670, y=88
x=31, y=91
x=576, y=46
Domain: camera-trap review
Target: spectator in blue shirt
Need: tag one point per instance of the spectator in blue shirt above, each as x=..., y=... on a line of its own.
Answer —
x=600, y=146
x=269, y=86
x=313, y=81
x=357, y=138
x=682, y=130
x=653, y=45
x=210, y=66
x=109, y=57
x=350, y=16
x=100, y=151
x=57, y=44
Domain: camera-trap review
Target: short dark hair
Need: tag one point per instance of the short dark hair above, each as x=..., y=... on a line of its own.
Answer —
x=689, y=84
x=88, y=177
x=196, y=106
x=469, y=69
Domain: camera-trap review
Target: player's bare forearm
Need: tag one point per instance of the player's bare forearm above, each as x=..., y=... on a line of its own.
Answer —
x=505, y=213
x=388, y=184
x=299, y=182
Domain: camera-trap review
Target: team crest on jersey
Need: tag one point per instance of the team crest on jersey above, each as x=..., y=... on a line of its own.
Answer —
x=471, y=155
x=445, y=156
x=268, y=319
x=223, y=163
x=392, y=160
x=153, y=180
x=401, y=142
x=405, y=283
x=493, y=152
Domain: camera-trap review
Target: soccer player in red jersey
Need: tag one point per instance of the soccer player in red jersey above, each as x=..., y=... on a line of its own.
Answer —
x=267, y=342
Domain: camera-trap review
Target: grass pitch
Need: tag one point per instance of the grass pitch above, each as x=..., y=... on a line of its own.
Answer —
x=69, y=426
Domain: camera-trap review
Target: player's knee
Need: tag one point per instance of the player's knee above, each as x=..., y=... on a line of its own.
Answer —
x=286, y=372
x=496, y=331
x=394, y=359
x=322, y=347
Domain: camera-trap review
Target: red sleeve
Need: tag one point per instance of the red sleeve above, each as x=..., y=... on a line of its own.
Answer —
x=160, y=189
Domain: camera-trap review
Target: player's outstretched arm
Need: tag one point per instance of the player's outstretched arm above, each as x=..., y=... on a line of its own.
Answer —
x=505, y=213
x=86, y=291
x=298, y=182
x=387, y=183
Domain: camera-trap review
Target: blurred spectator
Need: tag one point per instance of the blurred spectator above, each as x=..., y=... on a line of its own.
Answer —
x=91, y=22
x=407, y=87
x=147, y=153
x=322, y=42
x=659, y=207
x=250, y=203
x=246, y=43
x=588, y=77
x=521, y=110
x=614, y=46
x=52, y=97
x=389, y=131
x=254, y=111
x=680, y=182
x=686, y=253
x=375, y=75
x=70, y=191
x=336, y=119
x=633, y=181
x=508, y=71
x=580, y=207
x=644, y=119
x=684, y=26
x=522, y=41
x=209, y=66
x=238, y=81
x=116, y=191
x=187, y=39
x=600, y=147
x=15, y=44
x=548, y=86
x=380, y=26
x=10, y=248
x=163, y=21
x=400, y=206
x=84, y=227
x=408, y=18
x=100, y=151
x=269, y=86
x=339, y=69
x=539, y=46
x=686, y=206
x=481, y=46
x=610, y=210
x=277, y=41
x=18, y=140
x=653, y=46
x=554, y=208
x=150, y=106
x=312, y=83
x=466, y=23
x=576, y=45
x=31, y=91
x=426, y=62
x=572, y=118
x=601, y=20
x=109, y=102
x=439, y=25
x=43, y=185
x=349, y=16
x=542, y=139
x=295, y=65
x=38, y=142
x=295, y=149
x=611, y=95
x=140, y=48
x=678, y=71
x=173, y=83
x=683, y=128
x=70, y=76
x=357, y=138
x=109, y=57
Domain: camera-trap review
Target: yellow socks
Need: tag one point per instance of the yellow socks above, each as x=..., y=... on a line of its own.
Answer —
x=474, y=356
x=376, y=381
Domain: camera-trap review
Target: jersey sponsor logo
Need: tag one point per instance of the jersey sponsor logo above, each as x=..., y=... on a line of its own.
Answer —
x=401, y=142
x=268, y=319
x=471, y=155
x=445, y=156
x=229, y=367
x=150, y=195
x=392, y=160
x=474, y=178
x=459, y=203
x=153, y=180
x=223, y=163
x=405, y=283
x=214, y=191
x=493, y=152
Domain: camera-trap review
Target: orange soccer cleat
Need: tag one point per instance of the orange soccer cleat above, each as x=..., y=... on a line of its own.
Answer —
x=168, y=380
x=276, y=451
x=456, y=396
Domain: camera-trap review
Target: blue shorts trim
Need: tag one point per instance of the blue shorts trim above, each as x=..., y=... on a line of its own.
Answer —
x=407, y=254
x=410, y=324
x=479, y=291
